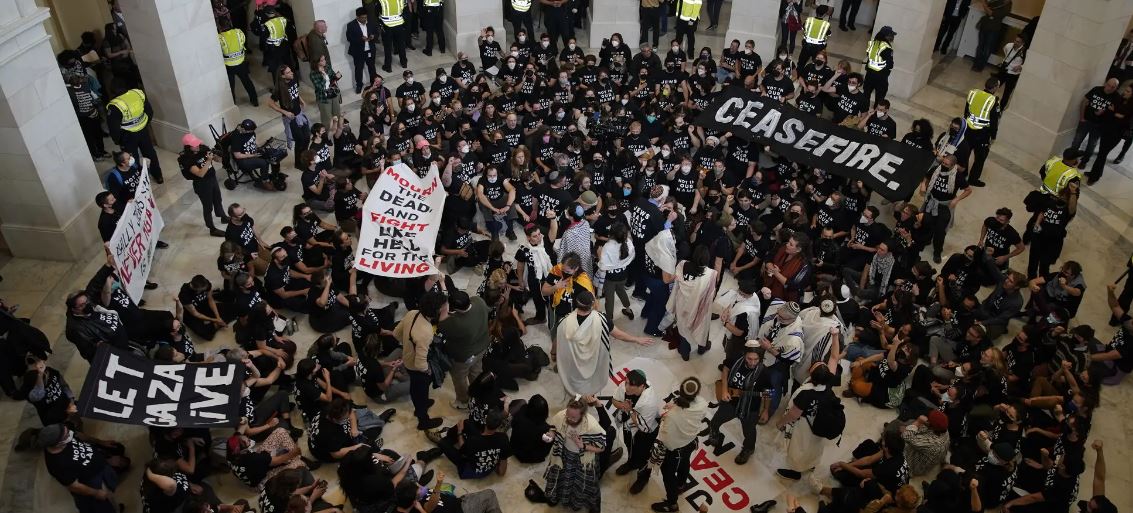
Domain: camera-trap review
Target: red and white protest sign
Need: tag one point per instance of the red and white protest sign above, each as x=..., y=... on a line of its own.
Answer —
x=135, y=238
x=400, y=221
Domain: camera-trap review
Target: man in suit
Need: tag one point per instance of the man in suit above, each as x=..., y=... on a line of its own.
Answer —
x=361, y=35
x=317, y=43
x=954, y=13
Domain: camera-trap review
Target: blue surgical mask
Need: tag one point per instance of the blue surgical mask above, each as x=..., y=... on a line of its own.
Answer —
x=626, y=192
x=651, y=118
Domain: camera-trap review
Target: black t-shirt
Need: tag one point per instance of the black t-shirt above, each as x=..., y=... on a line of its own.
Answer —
x=552, y=199
x=310, y=178
x=777, y=88
x=77, y=462
x=155, y=501
x=892, y=473
x=292, y=94
x=251, y=467
x=849, y=104
x=1097, y=99
x=347, y=203
x=749, y=63
x=939, y=187
x=1121, y=343
x=308, y=396
x=482, y=454
x=243, y=234
x=407, y=90
x=107, y=223
x=646, y=220
x=809, y=104
x=810, y=72
x=886, y=128
x=326, y=437
x=188, y=159
x=1000, y=237
x=198, y=300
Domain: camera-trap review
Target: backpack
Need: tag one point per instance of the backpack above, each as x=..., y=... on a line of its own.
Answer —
x=116, y=175
x=830, y=419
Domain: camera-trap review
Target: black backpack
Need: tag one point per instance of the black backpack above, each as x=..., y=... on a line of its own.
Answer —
x=830, y=419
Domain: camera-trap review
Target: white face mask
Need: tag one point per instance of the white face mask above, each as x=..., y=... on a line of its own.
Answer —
x=131, y=162
x=571, y=46
x=829, y=202
x=493, y=179
x=615, y=43
x=676, y=49
x=686, y=168
x=749, y=50
x=511, y=65
x=665, y=153
x=852, y=89
x=544, y=44
x=491, y=38
x=625, y=101
x=443, y=77
x=522, y=39
x=409, y=80
x=560, y=115
x=515, y=54
x=782, y=56
x=463, y=150
x=882, y=115
x=701, y=72
x=864, y=220
x=437, y=100
x=410, y=107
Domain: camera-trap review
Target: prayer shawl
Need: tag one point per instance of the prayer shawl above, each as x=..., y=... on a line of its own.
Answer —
x=647, y=408
x=540, y=260
x=930, y=202
x=584, y=363
x=662, y=249
x=691, y=303
x=679, y=426
x=745, y=305
x=816, y=339
x=786, y=338
x=589, y=429
x=611, y=256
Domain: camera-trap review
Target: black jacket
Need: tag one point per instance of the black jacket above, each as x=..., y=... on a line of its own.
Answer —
x=358, y=45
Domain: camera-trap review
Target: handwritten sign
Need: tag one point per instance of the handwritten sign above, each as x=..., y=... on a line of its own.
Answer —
x=135, y=238
x=400, y=221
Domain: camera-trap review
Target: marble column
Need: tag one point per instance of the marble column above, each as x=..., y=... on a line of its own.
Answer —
x=49, y=180
x=915, y=22
x=177, y=51
x=465, y=18
x=622, y=16
x=752, y=19
x=338, y=14
x=1073, y=47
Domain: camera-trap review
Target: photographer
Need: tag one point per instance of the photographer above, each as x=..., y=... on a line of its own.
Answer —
x=196, y=166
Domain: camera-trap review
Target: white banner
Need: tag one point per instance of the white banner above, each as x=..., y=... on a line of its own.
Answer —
x=135, y=238
x=400, y=221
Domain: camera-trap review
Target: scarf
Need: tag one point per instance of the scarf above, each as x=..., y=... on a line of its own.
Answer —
x=579, y=278
x=589, y=429
x=587, y=351
x=540, y=260
x=691, y=303
x=662, y=249
x=931, y=203
x=576, y=239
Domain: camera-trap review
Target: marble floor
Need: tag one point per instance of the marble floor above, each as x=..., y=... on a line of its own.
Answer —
x=1101, y=238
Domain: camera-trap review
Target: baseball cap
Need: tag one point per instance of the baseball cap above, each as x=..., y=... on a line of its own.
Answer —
x=190, y=140
x=51, y=435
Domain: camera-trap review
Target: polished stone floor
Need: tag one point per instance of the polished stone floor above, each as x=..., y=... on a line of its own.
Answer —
x=1100, y=238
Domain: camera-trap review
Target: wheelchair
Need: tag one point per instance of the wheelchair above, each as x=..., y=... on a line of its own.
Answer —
x=273, y=151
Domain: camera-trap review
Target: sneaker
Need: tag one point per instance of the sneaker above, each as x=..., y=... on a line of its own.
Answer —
x=435, y=435
x=456, y=404
x=216, y=233
x=936, y=259
x=428, y=424
x=511, y=234
x=763, y=507
x=743, y=456
x=628, y=313
x=1118, y=160
x=425, y=478
x=787, y=473
x=429, y=454
x=700, y=350
x=387, y=414
x=977, y=183
x=664, y=506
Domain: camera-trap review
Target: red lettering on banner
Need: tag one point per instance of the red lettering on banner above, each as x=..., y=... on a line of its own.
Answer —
x=126, y=273
x=718, y=480
x=735, y=503
x=405, y=184
x=619, y=377
x=701, y=462
x=376, y=217
x=394, y=267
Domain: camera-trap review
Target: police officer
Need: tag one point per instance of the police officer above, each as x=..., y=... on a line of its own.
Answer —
x=521, y=18
x=1058, y=171
x=232, y=46
x=688, y=13
x=127, y=117
x=276, y=50
x=879, y=62
x=816, y=31
x=981, y=113
x=393, y=33
x=432, y=21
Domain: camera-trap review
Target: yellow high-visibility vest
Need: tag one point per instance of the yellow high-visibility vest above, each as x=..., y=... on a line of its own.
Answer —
x=521, y=5
x=232, y=46
x=132, y=104
x=980, y=105
x=876, y=63
x=815, y=31
x=391, y=13
x=277, y=30
x=433, y=3
x=1058, y=174
x=689, y=10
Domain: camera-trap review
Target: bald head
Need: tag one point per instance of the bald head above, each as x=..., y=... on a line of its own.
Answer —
x=1111, y=85
x=321, y=26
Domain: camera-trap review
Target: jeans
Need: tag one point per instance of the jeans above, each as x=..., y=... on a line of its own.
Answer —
x=367, y=419
x=654, y=309
x=857, y=350
x=1088, y=132
x=88, y=504
x=302, y=136
x=778, y=375
x=419, y=393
